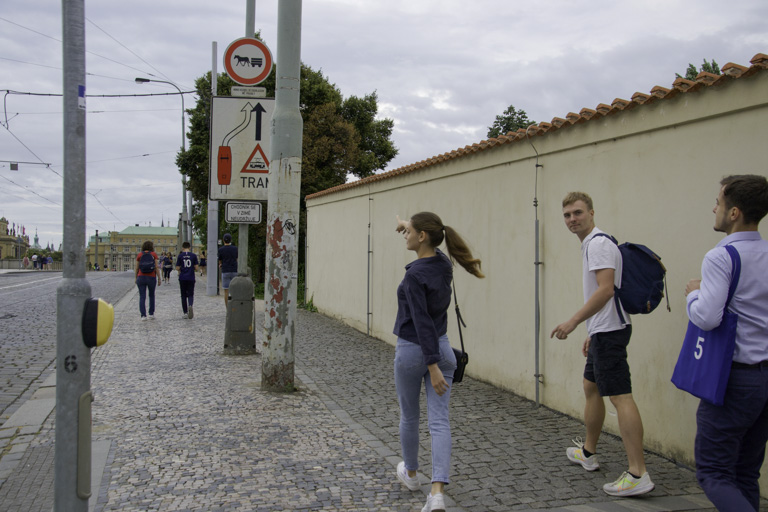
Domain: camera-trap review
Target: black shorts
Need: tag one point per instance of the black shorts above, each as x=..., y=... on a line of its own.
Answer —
x=607, y=362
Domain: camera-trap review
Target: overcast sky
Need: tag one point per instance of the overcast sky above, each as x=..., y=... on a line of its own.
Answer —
x=442, y=69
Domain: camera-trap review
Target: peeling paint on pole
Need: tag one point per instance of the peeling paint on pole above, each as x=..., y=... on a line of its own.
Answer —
x=282, y=268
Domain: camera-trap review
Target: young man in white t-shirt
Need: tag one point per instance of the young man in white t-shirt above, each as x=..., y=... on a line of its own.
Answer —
x=606, y=372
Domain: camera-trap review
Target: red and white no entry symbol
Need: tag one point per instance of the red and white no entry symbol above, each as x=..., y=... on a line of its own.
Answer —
x=248, y=61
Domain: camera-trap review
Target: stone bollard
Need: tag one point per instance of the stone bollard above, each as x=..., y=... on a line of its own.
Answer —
x=239, y=332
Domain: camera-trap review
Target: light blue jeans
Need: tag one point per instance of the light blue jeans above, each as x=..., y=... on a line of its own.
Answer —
x=410, y=373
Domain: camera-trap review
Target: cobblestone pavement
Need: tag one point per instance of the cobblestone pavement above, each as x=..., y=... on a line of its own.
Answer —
x=188, y=428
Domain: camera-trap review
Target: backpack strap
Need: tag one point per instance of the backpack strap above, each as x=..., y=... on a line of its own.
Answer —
x=616, y=300
x=735, y=272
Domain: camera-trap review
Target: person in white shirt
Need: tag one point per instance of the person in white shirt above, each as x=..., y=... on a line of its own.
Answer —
x=606, y=372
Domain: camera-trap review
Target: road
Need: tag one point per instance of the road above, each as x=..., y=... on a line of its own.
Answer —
x=28, y=328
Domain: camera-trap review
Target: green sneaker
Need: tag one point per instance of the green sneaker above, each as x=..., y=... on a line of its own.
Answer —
x=627, y=485
x=576, y=455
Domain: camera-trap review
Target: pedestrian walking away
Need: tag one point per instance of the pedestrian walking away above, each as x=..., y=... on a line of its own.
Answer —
x=730, y=438
x=228, y=264
x=147, y=276
x=606, y=372
x=423, y=353
x=203, y=264
x=167, y=267
x=186, y=266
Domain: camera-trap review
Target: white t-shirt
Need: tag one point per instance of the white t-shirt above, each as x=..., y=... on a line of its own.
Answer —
x=602, y=253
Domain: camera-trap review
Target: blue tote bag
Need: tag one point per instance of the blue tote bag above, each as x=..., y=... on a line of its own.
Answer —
x=704, y=364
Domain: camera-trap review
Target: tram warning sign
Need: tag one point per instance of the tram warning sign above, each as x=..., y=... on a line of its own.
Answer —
x=240, y=143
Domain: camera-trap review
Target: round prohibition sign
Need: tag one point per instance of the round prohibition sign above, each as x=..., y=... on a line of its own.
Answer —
x=248, y=61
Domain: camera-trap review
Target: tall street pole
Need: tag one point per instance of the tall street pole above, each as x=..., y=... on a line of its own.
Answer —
x=186, y=223
x=277, y=363
x=72, y=466
x=212, y=277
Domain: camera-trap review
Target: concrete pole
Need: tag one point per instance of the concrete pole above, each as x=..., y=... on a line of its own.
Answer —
x=277, y=370
x=72, y=464
x=212, y=278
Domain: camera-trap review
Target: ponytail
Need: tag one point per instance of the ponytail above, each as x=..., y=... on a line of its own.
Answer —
x=458, y=250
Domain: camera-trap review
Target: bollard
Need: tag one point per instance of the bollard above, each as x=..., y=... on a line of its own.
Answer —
x=239, y=332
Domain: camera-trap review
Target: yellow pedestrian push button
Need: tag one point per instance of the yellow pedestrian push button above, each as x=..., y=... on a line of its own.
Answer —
x=98, y=318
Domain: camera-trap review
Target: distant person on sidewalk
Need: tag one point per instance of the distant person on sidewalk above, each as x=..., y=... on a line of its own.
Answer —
x=26, y=262
x=167, y=267
x=34, y=260
x=186, y=266
x=423, y=353
x=730, y=439
x=606, y=372
x=228, y=264
x=147, y=276
x=203, y=264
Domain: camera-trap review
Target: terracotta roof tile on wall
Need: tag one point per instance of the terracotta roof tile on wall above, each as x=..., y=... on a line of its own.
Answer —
x=731, y=71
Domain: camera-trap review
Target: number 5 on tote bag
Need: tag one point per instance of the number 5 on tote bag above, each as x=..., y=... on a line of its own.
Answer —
x=704, y=364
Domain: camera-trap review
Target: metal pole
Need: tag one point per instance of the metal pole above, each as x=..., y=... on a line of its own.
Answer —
x=186, y=225
x=277, y=370
x=242, y=233
x=211, y=282
x=73, y=358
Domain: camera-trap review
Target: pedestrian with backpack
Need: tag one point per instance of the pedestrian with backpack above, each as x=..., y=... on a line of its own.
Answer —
x=147, y=277
x=606, y=372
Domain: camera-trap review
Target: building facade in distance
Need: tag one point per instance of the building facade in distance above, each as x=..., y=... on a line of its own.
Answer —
x=117, y=250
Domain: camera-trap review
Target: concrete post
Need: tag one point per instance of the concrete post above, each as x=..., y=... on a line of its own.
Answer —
x=212, y=277
x=72, y=484
x=277, y=371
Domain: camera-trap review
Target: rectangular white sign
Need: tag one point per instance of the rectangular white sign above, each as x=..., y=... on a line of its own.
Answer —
x=243, y=213
x=240, y=139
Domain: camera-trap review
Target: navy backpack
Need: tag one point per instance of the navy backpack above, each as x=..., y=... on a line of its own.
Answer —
x=643, y=279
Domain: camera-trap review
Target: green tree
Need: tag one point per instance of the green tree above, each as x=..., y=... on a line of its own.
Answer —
x=341, y=137
x=691, y=73
x=511, y=120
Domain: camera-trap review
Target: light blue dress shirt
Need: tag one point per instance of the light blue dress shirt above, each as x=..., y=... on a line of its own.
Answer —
x=750, y=301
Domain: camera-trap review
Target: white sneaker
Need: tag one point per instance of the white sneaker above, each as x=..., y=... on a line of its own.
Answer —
x=143, y=319
x=576, y=455
x=435, y=503
x=627, y=485
x=411, y=483
x=191, y=314
x=184, y=316
x=151, y=317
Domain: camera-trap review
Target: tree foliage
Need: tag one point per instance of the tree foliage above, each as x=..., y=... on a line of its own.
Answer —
x=341, y=137
x=511, y=120
x=709, y=67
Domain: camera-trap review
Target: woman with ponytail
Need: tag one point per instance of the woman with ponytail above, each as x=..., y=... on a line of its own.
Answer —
x=423, y=352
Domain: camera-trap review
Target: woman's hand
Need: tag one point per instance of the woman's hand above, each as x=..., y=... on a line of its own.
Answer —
x=401, y=224
x=437, y=379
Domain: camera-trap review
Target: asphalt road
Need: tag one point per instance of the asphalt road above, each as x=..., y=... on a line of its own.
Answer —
x=28, y=328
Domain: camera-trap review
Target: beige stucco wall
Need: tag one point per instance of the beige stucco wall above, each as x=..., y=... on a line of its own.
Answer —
x=653, y=174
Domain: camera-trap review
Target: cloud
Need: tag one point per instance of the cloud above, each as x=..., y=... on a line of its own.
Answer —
x=442, y=70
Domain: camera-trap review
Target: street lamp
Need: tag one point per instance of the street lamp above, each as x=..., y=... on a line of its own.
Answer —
x=186, y=225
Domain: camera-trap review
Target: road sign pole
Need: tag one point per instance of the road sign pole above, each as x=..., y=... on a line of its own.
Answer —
x=277, y=362
x=242, y=285
x=212, y=277
x=72, y=466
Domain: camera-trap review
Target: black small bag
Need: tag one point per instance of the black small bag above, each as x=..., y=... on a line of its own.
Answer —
x=462, y=358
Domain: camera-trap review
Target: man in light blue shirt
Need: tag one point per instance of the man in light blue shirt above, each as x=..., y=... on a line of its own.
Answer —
x=730, y=439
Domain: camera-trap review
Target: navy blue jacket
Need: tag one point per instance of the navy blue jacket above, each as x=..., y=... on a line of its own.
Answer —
x=228, y=258
x=423, y=298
